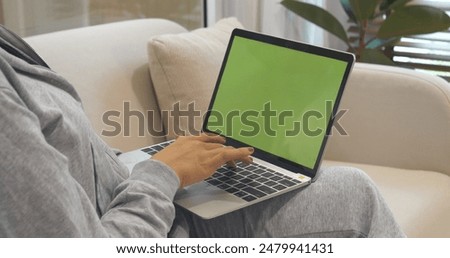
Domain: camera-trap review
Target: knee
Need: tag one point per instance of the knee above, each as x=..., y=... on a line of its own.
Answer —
x=349, y=180
x=346, y=173
x=359, y=200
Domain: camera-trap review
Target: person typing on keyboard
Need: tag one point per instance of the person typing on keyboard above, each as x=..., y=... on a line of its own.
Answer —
x=59, y=179
x=203, y=154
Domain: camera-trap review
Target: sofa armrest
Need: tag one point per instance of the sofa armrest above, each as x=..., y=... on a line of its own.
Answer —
x=108, y=66
x=396, y=117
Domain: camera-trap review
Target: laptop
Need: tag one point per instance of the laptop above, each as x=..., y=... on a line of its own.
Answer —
x=277, y=96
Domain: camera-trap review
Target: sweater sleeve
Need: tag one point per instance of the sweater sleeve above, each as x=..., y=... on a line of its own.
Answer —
x=143, y=203
x=40, y=197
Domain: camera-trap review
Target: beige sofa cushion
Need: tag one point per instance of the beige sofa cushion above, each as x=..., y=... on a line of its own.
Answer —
x=184, y=69
x=396, y=118
x=418, y=199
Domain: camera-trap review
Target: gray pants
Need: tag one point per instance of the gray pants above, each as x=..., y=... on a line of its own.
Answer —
x=343, y=202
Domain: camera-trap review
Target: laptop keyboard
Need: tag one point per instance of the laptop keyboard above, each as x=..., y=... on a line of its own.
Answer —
x=152, y=150
x=250, y=182
x=246, y=181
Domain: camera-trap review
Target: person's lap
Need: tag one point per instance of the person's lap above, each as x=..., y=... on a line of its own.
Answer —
x=343, y=202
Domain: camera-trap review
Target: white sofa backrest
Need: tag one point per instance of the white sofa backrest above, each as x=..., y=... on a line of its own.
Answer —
x=108, y=65
x=397, y=117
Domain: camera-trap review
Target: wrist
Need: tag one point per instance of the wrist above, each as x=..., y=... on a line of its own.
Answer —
x=173, y=169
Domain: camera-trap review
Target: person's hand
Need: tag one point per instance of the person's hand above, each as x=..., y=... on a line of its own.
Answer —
x=195, y=158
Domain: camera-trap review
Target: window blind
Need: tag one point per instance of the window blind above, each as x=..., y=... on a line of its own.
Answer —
x=429, y=52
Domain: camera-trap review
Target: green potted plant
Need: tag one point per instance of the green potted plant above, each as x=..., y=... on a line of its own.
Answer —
x=392, y=20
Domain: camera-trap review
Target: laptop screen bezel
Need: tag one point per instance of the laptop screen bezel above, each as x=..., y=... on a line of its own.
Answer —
x=299, y=46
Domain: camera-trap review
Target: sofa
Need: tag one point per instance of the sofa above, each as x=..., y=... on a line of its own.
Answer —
x=397, y=124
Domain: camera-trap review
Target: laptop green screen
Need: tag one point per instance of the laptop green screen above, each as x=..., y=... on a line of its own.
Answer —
x=276, y=99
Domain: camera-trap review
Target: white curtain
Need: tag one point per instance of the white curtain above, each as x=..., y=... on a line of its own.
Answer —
x=270, y=17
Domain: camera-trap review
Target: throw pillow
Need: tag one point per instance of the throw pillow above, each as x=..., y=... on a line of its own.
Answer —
x=184, y=69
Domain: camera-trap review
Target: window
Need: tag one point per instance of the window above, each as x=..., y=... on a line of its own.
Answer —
x=31, y=17
x=430, y=52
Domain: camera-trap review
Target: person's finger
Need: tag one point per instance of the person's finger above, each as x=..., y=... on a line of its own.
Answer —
x=210, y=133
x=222, y=156
x=248, y=160
x=212, y=146
x=211, y=138
x=231, y=164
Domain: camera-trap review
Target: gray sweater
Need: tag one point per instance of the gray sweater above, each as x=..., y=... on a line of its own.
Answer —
x=58, y=178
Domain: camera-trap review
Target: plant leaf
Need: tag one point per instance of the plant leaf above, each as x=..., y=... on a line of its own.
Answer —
x=348, y=10
x=386, y=4
x=397, y=4
x=414, y=19
x=374, y=56
x=319, y=17
x=364, y=9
